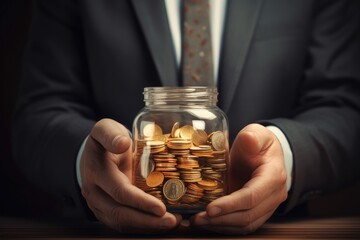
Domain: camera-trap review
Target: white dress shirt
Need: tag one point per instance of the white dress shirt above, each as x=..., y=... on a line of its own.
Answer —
x=217, y=18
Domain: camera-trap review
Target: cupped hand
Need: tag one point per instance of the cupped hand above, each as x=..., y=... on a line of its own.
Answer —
x=106, y=172
x=257, y=184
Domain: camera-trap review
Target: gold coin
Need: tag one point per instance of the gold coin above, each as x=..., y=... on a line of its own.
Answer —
x=178, y=152
x=174, y=128
x=179, y=144
x=177, y=133
x=188, y=161
x=190, y=175
x=199, y=137
x=186, y=132
x=158, y=150
x=189, y=200
x=155, y=143
x=165, y=169
x=157, y=138
x=218, y=191
x=171, y=174
x=165, y=165
x=205, y=147
x=196, y=193
x=218, y=165
x=192, y=180
x=152, y=129
x=195, y=187
x=189, y=194
x=155, y=179
x=216, y=160
x=208, y=184
x=194, y=170
x=164, y=155
x=218, y=140
x=174, y=189
x=187, y=157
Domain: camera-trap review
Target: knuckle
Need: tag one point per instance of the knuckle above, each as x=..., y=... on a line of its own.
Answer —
x=231, y=202
x=253, y=198
x=247, y=220
x=138, y=205
x=91, y=170
x=249, y=217
x=118, y=193
x=116, y=218
x=120, y=219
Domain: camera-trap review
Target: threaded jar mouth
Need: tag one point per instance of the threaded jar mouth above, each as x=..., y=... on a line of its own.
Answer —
x=188, y=95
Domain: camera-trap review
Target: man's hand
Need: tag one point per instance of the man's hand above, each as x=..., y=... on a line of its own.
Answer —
x=257, y=183
x=106, y=172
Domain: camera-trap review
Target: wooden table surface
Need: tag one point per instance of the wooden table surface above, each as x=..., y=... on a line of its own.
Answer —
x=312, y=228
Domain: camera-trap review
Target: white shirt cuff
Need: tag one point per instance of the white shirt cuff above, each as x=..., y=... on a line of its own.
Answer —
x=78, y=158
x=287, y=153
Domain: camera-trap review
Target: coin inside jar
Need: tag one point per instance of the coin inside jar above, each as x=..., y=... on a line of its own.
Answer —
x=199, y=137
x=184, y=168
x=218, y=140
x=174, y=189
x=152, y=129
x=155, y=179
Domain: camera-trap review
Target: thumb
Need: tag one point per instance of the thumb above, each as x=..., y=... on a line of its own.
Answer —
x=247, y=153
x=253, y=140
x=111, y=135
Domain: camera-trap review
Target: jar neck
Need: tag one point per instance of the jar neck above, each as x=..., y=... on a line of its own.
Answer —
x=180, y=96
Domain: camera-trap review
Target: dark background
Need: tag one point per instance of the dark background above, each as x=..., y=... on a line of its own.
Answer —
x=18, y=197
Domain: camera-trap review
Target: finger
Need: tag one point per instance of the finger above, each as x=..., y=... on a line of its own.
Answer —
x=251, y=227
x=253, y=140
x=124, y=218
x=239, y=218
x=117, y=185
x=251, y=148
x=245, y=198
x=259, y=189
x=111, y=135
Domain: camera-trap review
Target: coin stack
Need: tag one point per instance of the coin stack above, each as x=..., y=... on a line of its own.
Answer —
x=166, y=163
x=184, y=167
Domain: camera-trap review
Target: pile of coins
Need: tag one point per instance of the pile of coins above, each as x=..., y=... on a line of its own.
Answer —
x=185, y=167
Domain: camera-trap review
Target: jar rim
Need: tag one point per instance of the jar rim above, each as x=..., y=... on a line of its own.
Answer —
x=181, y=88
x=185, y=95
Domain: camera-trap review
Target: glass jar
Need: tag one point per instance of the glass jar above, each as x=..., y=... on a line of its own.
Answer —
x=181, y=147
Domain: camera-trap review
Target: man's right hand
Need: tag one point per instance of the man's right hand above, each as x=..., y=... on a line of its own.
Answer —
x=106, y=172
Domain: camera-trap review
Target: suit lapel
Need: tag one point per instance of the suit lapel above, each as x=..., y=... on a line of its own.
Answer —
x=241, y=19
x=153, y=20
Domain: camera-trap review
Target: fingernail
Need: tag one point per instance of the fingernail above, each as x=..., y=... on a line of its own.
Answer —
x=214, y=211
x=202, y=221
x=157, y=211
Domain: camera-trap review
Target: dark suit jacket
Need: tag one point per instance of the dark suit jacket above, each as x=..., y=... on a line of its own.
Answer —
x=292, y=64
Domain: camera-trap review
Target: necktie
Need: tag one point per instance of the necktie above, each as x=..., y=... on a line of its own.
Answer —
x=197, y=62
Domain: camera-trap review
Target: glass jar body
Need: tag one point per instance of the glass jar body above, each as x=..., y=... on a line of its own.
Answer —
x=181, y=150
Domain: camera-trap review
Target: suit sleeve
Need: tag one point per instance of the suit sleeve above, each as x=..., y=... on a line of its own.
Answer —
x=55, y=111
x=324, y=132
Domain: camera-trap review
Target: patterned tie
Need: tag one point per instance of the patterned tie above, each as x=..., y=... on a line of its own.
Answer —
x=197, y=53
